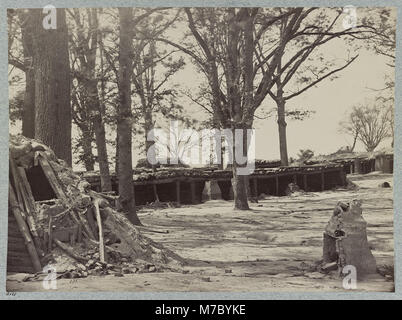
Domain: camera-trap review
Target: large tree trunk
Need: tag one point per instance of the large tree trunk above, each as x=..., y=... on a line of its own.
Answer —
x=52, y=85
x=240, y=182
x=28, y=115
x=99, y=112
x=124, y=118
x=283, y=148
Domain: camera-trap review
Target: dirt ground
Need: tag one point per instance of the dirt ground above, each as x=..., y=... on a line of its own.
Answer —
x=268, y=248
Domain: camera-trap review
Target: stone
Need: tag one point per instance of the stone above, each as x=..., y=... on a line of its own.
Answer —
x=345, y=239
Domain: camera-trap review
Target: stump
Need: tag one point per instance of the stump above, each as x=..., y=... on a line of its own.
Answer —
x=345, y=239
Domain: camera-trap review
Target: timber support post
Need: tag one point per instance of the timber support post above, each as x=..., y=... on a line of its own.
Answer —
x=322, y=181
x=178, y=191
x=277, y=185
x=193, y=192
x=305, y=182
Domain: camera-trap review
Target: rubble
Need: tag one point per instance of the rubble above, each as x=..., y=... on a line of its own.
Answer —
x=70, y=227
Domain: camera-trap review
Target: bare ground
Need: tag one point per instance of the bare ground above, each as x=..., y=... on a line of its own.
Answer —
x=269, y=248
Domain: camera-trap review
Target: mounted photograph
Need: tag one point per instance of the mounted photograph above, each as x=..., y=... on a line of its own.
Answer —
x=205, y=149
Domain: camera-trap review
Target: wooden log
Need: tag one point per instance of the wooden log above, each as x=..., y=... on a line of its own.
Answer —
x=14, y=175
x=107, y=248
x=100, y=231
x=27, y=189
x=70, y=251
x=51, y=177
x=24, y=230
x=29, y=205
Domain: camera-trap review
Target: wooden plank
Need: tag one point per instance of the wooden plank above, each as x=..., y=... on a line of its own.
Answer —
x=14, y=175
x=24, y=230
x=27, y=188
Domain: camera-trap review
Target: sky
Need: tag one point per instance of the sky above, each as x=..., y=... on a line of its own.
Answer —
x=330, y=101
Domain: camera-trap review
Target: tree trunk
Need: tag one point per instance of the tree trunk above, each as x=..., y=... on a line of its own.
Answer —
x=106, y=184
x=28, y=115
x=52, y=85
x=283, y=148
x=124, y=118
x=354, y=142
x=86, y=141
x=240, y=183
x=148, y=126
x=100, y=136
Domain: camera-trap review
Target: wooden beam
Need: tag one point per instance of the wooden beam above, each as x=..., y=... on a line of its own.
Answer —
x=22, y=226
x=51, y=177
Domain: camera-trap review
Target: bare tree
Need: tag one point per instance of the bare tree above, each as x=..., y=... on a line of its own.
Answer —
x=84, y=47
x=124, y=119
x=227, y=44
x=370, y=123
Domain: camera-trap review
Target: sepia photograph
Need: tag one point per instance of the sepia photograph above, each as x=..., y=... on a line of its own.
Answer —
x=201, y=149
